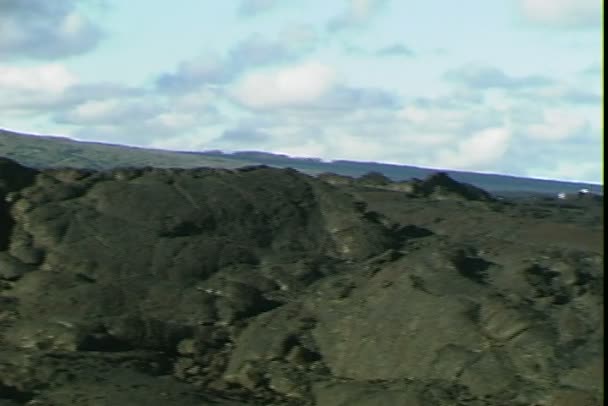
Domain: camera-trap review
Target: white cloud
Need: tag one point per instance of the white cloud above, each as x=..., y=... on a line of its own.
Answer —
x=44, y=29
x=198, y=99
x=110, y=112
x=176, y=120
x=252, y=52
x=50, y=78
x=490, y=143
x=287, y=87
x=96, y=110
x=72, y=24
x=482, y=150
x=574, y=170
x=558, y=125
x=414, y=114
x=27, y=89
x=563, y=13
x=433, y=118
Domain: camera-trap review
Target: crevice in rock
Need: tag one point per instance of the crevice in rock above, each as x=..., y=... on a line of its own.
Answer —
x=6, y=224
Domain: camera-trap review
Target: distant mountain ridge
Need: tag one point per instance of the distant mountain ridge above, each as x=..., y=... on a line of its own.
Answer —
x=49, y=152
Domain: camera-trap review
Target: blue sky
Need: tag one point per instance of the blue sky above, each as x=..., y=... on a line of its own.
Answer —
x=504, y=86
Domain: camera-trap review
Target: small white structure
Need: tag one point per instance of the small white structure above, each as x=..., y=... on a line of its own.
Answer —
x=583, y=192
x=561, y=196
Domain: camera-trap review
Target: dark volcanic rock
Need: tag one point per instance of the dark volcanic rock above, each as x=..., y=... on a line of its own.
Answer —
x=440, y=185
x=260, y=286
x=373, y=179
x=12, y=178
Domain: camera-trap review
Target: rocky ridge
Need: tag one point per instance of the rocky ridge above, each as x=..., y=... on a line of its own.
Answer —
x=263, y=286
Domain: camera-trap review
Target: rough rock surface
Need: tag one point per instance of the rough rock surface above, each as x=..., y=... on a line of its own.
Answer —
x=441, y=186
x=438, y=186
x=262, y=286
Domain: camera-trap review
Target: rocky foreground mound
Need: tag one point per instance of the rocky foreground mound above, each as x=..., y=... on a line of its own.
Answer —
x=264, y=286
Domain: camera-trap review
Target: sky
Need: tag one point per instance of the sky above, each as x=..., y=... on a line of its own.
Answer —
x=501, y=86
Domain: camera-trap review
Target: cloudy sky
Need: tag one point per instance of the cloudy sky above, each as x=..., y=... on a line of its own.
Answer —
x=505, y=86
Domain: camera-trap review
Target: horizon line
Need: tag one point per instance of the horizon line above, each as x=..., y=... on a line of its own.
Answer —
x=228, y=152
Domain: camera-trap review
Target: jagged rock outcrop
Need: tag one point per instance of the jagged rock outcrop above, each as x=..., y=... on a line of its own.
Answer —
x=264, y=286
x=442, y=186
x=438, y=186
x=373, y=179
x=96, y=231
